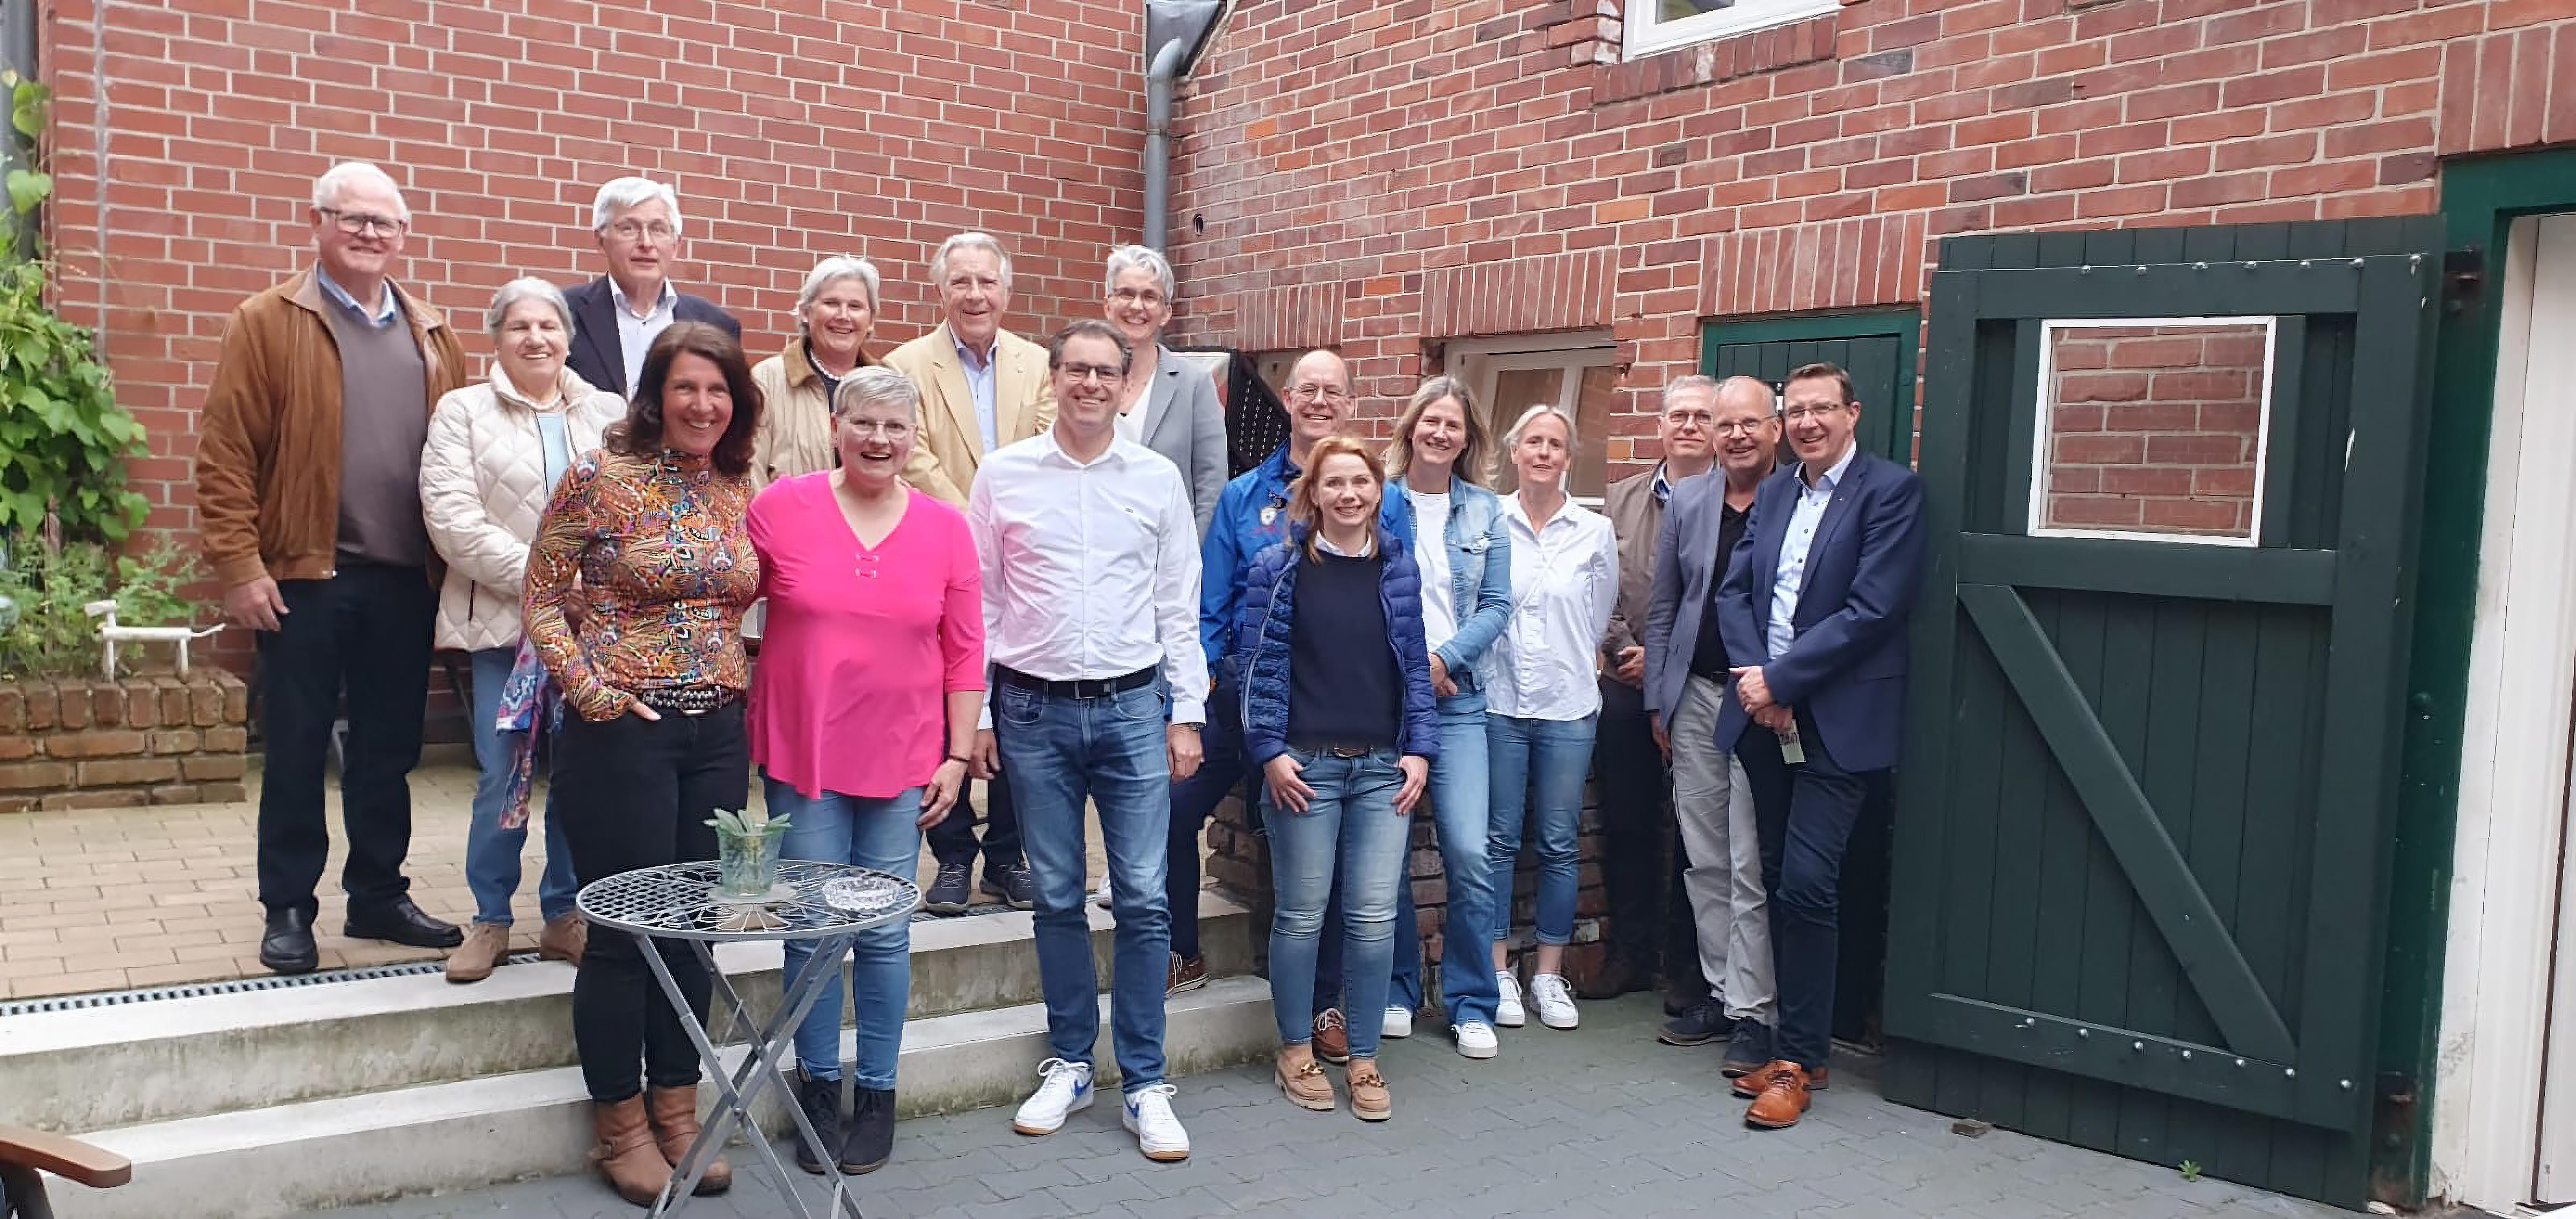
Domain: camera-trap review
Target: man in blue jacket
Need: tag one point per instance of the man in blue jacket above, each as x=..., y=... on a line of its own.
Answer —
x=1813, y=613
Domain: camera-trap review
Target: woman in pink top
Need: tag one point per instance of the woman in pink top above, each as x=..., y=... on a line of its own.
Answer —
x=862, y=715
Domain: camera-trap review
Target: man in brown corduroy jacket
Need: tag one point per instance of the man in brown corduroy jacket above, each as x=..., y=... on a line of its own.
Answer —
x=308, y=496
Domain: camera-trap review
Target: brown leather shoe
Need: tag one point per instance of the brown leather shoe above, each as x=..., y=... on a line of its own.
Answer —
x=625, y=1154
x=1749, y=1085
x=486, y=946
x=1783, y=1099
x=564, y=939
x=1369, y=1099
x=1302, y=1079
x=675, y=1126
x=1187, y=973
x=1332, y=1041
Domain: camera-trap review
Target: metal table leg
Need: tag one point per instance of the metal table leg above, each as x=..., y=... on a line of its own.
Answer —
x=738, y=1089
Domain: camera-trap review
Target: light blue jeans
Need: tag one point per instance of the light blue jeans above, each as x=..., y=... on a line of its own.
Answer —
x=1057, y=753
x=1538, y=771
x=492, y=853
x=1350, y=832
x=1461, y=780
x=877, y=833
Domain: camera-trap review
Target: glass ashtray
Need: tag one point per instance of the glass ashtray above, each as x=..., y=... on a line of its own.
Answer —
x=863, y=895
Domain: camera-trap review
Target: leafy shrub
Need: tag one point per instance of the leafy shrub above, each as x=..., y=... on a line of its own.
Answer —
x=51, y=637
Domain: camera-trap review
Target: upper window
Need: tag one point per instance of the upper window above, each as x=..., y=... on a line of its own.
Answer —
x=1661, y=25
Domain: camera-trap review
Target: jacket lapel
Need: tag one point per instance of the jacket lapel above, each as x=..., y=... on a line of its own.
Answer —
x=1159, y=394
x=595, y=320
x=1838, y=512
x=1015, y=386
x=1782, y=491
x=950, y=379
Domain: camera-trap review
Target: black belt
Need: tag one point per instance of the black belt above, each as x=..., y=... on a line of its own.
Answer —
x=1088, y=687
x=689, y=700
x=1337, y=751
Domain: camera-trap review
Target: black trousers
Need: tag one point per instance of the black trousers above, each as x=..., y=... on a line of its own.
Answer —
x=953, y=839
x=1641, y=863
x=364, y=633
x=635, y=793
x=1805, y=813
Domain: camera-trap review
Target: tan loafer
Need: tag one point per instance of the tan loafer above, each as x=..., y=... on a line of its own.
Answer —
x=564, y=939
x=1370, y=1101
x=1302, y=1079
x=486, y=946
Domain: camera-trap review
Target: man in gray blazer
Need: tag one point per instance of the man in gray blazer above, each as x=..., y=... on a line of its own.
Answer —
x=1171, y=404
x=1686, y=683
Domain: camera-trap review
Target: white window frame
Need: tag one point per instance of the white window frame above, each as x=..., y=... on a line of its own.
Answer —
x=2046, y=429
x=1646, y=31
x=1479, y=361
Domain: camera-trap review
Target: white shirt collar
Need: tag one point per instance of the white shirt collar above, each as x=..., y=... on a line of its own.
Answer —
x=1833, y=477
x=669, y=298
x=1325, y=544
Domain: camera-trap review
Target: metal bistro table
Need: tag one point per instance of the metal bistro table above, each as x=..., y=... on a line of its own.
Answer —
x=829, y=904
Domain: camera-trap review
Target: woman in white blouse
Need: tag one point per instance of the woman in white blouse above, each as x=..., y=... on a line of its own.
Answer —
x=1544, y=701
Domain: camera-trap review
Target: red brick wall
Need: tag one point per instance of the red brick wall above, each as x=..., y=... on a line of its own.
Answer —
x=1390, y=156
x=2155, y=429
x=794, y=130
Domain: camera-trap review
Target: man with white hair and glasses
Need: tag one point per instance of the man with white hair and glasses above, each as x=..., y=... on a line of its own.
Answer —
x=617, y=316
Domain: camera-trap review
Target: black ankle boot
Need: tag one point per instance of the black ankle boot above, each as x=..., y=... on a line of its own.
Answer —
x=871, y=1136
x=821, y=1101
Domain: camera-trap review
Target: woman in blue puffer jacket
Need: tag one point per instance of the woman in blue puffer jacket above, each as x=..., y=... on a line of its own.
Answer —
x=1338, y=713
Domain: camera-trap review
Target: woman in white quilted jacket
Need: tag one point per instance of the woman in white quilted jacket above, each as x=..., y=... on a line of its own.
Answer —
x=495, y=451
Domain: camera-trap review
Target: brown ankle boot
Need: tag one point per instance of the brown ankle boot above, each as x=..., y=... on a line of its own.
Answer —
x=675, y=1126
x=563, y=939
x=625, y=1154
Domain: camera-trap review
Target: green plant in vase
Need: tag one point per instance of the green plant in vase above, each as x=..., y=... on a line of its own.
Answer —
x=747, y=853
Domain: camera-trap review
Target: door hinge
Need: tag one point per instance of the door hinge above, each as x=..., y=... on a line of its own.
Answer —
x=2464, y=279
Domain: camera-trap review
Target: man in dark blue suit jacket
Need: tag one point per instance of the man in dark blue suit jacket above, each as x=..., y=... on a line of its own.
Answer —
x=637, y=222
x=1820, y=586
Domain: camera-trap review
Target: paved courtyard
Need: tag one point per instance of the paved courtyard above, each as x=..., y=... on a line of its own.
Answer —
x=1599, y=1122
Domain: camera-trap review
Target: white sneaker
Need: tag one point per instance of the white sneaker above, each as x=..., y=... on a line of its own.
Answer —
x=1507, y=1009
x=1100, y=896
x=1475, y=1039
x=1399, y=1022
x=1555, y=1001
x=1158, y=1133
x=1063, y=1087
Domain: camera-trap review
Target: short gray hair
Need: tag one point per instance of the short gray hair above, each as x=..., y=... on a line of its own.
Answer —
x=968, y=241
x=876, y=385
x=625, y=194
x=527, y=288
x=336, y=181
x=1512, y=438
x=1684, y=385
x=1134, y=258
x=833, y=270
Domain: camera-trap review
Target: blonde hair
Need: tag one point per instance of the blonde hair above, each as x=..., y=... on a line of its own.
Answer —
x=1302, y=507
x=1471, y=455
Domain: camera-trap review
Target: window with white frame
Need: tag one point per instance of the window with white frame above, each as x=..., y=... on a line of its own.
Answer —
x=1577, y=373
x=1661, y=25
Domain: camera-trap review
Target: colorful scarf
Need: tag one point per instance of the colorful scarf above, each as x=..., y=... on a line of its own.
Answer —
x=530, y=707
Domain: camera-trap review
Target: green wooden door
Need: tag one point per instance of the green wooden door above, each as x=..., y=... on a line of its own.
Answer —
x=2149, y=787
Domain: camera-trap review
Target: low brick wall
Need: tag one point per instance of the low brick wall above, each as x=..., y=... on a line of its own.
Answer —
x=145, y=739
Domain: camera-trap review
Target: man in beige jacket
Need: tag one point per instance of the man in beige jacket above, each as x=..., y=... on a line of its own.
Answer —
x=982, y=387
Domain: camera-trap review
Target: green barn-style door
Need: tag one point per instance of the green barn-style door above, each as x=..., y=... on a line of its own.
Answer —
x=2148, y=792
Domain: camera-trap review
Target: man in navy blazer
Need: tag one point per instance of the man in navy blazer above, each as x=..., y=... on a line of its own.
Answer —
x=616, y=317
x=1813, y=613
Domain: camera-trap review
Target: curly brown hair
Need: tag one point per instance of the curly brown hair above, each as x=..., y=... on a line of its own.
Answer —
x=640, y=433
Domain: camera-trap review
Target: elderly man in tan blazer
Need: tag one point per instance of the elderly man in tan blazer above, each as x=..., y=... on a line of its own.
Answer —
x=982, y=387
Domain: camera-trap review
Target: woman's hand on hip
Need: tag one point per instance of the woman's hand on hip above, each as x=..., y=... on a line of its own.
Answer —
x=941, y=795
x=1279, y=775
x=1417, y=776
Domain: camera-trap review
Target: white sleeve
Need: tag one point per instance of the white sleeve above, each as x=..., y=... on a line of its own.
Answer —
x=988, y=556
x=1176, y=603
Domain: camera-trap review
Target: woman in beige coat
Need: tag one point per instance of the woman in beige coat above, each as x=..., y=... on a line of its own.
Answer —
x=495, y=451
x=836, y=312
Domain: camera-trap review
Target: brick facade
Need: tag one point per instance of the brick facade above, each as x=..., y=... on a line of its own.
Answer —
x=2155, y=429
x=145, y=739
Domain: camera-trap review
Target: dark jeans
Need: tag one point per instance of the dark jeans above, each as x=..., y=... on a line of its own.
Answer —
x=1220, y=772
x=1805, y=814
x=953, y=839
x=365, y=632
x=1650, y=924
x=637, y=793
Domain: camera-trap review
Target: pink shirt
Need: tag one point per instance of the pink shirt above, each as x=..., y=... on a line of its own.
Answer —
x=863, y=646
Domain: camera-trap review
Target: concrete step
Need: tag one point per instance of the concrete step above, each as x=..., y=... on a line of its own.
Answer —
x=287, y=1159
x=148, y=1061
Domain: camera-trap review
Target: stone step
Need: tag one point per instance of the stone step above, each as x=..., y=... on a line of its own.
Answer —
x=154, y=1060
x=288, y=1159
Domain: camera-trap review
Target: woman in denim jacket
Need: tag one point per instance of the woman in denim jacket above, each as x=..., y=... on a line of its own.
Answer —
x=1440, y=442
x=1338, y=713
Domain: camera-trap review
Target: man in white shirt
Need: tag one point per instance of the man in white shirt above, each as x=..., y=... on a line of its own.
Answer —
x=1091, y=590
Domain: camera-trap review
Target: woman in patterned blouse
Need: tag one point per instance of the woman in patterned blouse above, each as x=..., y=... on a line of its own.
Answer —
x=636, y=587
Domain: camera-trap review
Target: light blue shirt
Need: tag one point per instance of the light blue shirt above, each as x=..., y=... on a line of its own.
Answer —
x=979, y=384
x=385, y=316
x=1809, y=512
x=557, y=446
x=635, y=335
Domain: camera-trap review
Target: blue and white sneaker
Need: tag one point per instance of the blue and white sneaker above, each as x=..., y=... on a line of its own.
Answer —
x=1158, y=1133
x=1062, y=1088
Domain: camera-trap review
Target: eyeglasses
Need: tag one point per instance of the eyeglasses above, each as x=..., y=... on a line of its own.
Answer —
x=1091, y=372
x=629, y=230
x=1737, y=427
x=1130, y=296
x=890, y=429
x=1702, y=418
x=1823, y=411
x=356, y=223
x=1327, y=393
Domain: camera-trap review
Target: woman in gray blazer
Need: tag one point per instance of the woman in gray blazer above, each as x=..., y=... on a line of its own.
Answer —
x=1172, y=407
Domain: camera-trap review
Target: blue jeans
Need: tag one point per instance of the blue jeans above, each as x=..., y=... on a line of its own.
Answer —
x=1538, y=772
x=1057, y=753
x=1350, y=833
x=865, y=832
x=492, y=853
x=1460, y=782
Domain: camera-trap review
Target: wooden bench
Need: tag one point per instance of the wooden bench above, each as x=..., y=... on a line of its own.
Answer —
x=27, y=1155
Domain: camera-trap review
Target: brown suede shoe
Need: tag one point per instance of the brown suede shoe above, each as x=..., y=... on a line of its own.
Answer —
x=1749, y=1085
x=1369, y=1099
x=486, y=946
x=1302, y=1079
x=1784, y=1097
x=1187, y=973
x=625, y=1154
x=1332, y=1041
x=564, y=939
x=675, y=1126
